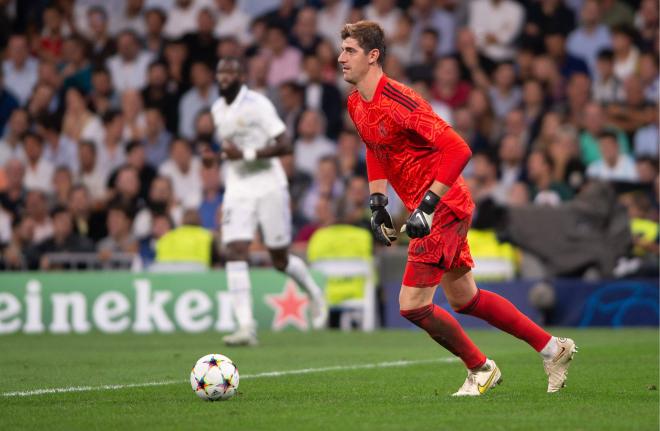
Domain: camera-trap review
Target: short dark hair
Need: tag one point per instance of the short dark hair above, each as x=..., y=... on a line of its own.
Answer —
x=369, y=36
x=608, y=134
x=606, y=54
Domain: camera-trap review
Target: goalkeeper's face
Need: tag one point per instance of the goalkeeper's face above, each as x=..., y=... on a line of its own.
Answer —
x=354, y=61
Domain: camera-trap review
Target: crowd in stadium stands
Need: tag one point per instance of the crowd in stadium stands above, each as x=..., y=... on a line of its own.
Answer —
x=104, y=109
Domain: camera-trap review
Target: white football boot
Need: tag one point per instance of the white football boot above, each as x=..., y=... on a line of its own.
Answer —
x=557, y=367
x=479, y=381
x=246, y=336
x=319, y=313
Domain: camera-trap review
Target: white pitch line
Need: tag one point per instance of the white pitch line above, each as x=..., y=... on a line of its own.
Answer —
x=243, y=377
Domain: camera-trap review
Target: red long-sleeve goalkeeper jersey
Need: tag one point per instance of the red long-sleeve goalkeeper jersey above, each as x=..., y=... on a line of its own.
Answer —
x=410, y=145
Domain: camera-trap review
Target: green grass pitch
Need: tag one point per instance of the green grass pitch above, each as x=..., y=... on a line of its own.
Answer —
x=612, y=383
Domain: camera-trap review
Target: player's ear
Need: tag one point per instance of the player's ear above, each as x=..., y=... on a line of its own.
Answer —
x=372, y=56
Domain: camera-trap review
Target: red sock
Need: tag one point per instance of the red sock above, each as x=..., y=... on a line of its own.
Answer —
x=447, y=332
x=503, y=315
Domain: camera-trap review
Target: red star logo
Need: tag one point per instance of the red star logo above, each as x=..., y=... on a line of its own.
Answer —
x=290, y=308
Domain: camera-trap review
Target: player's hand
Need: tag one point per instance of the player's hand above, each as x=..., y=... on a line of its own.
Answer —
x=230, y=151
x=420, y=221
x=381, y=221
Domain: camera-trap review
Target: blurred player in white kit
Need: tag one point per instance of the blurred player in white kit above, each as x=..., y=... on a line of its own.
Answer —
x=256, y=194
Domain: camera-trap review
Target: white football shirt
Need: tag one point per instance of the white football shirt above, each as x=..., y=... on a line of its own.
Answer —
x=250, y=122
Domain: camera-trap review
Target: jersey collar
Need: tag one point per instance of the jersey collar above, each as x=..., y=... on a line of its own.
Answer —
x=379, y=90
x=239, y=97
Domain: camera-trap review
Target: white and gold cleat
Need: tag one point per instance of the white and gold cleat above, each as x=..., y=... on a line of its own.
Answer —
x=557, y=367
x=479, y=381
x=242, y=337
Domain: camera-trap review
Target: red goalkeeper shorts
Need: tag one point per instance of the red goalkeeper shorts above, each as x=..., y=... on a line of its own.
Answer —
x=445, y=248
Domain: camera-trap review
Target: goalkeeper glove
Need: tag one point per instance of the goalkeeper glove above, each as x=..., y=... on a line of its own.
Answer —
x=420, y=221
x=381, y=221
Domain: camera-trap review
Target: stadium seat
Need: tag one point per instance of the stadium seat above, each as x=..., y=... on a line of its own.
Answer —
x=343, y=253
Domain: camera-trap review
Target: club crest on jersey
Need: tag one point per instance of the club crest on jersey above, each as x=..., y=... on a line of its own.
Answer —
x=382, y=129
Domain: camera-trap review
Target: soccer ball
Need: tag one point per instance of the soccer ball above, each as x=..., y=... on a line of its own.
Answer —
x=214, y=377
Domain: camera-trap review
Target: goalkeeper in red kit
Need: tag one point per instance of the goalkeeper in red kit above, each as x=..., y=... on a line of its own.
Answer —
x=422, y=158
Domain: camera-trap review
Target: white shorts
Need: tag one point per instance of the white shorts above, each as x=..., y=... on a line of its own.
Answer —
x=270, y=210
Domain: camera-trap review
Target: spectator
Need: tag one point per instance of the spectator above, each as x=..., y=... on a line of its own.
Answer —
x=39, y=171
x=184, y=170
x=79, y=122
x=201, y=96
x=511, y=155
x=634, y=112
x=10, y=144
x=110, y=153
x=131, y=18
x=448, y=86
x=8, y=104
x=285, y=60
x=88, y=221
x=354, y=205
x=13, y=197
x=591, y=37
x=136, y=158
x=202, y=43
x=156, y=139
x=424, y=58
x=62, y=184
x=91, y=174
x=182, y=18
x=613, y=166
x=555, y=46
x=311, y=145
x=324, y=215
x=126, y=191
x=284, y=16
x=401, y=43
x=19, y=70
x=160, y=201
x=565, y=154
x=132, y=109
x=119, y=239
x=616, y=12
x=548, y=16
x=331, y=18
x=483, y=182
x=160, y=96
x=176, y=57
x=128, y=68
x=427, y=15
x=59, y=150
x=102, y=44
x=323, y=97
x=626, y=54
x=212, y=195
x=648, y=73
x=505, y=95
x=44, y=100
x=154, y=21
x=496, y=23
x=232, y=21
x=593, y=124
x=161, y=225
x=292, y=106
x=36, y=208
x=103, y=97
x=76, y=70
x=606, y=88
x=49, y=44
x=20, y=253
x=480, y=109
x=533, y=107
x=305, y=33
x=64, y=239
x=577, y=97
x=464, y=124
x=385, y=13
x=646, y=22
x=543, y=188
x=349, y=157
x=326, y=185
